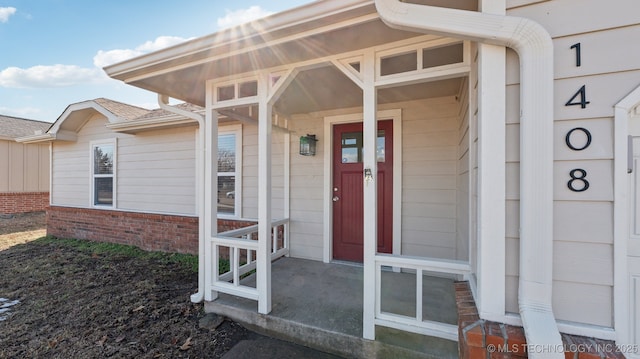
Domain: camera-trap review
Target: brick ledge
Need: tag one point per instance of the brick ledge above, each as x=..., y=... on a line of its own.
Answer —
x=480, y=338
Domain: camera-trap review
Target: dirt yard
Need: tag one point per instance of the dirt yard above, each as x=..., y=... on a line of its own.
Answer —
x=67, y=299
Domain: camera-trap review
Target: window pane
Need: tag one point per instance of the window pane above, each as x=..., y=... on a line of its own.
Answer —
x=226, y=93
x=226, y=194
x=380, y=146
x=103, y=160
x=103, y=188
x=396, y=64
x=226, y=153
x=352, y=147
x=445, y=55
x=248, y=89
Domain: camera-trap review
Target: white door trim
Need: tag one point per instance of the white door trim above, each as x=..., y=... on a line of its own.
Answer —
x=329, y=121
x=621, y=218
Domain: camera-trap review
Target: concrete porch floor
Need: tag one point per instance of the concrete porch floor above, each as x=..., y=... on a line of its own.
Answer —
x=319, y=305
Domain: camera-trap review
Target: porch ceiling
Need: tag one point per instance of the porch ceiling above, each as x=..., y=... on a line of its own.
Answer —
x=187, y=84
x=327, y=88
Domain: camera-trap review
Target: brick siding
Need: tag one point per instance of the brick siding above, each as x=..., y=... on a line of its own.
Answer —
x=153, y=232
x=23, y=202
x=481, y=339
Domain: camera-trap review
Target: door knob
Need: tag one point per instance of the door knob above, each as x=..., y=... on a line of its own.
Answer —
x=336, y=198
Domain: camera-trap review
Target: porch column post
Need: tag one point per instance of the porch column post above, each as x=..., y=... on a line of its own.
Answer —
x=263, y=259
x=491, y=174
x=211, y=199
x=369, y=135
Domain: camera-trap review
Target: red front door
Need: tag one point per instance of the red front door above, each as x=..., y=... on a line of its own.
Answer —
x=347, y=190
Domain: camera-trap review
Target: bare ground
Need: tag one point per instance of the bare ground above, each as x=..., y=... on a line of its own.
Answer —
x=74, y=302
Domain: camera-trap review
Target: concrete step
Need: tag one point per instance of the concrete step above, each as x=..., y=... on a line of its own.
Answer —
x=390, y=343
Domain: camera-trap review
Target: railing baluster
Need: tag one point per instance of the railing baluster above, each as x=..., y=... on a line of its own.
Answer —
x=419, y=295
x=236, y=266
x=274, y=236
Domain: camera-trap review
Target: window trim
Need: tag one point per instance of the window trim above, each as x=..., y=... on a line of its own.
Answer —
x=92, y=145
x=237, y=131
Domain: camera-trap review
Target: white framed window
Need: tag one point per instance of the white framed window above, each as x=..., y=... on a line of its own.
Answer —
x=230, y=171
x=103, y=170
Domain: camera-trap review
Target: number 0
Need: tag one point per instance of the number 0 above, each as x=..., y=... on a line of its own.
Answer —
x=587, y=133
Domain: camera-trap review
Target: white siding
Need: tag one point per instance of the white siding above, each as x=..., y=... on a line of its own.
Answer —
x=250, y=173
x=430, y=138
x=155, y=170
x=24, y=168
x=306, y=189
x=583, y=221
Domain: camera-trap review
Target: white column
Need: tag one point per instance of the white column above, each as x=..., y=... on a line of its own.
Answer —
x=491, y=174
x=369, y=136
x=263, y=264
x=211, y=200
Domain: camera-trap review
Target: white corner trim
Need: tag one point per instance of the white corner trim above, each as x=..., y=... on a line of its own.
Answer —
x=621, y=290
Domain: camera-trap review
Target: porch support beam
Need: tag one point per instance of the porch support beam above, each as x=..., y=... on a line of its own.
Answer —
x=263, y=260
x=491, y=254
x=210, y=197
x=369, y=135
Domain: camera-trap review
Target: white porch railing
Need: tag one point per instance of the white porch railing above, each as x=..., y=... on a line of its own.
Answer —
x=421, y=266
x=242, y=245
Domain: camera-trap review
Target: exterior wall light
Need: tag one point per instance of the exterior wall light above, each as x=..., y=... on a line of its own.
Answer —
x=308, y=145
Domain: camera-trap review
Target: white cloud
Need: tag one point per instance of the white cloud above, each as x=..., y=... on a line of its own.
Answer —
x=5, y=12
x=106, y=58
x=241, y=16
x=23, y=112
x=49, y=76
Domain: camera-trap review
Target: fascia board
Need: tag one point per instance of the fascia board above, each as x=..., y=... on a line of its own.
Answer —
x=257, y=28
x=151, y=124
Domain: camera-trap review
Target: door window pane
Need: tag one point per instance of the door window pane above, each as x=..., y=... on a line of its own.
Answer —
x=380, y=146
x=352, y=149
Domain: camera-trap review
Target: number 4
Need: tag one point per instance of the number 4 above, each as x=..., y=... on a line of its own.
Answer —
x=582, y=93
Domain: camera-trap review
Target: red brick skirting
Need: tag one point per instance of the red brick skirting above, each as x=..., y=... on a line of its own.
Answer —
x=482, y=339
x=153, y=232
x=23, y=202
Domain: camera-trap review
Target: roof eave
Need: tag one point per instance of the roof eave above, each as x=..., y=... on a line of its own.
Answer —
x=136, y=126
x=315, y=10
x=39, y=138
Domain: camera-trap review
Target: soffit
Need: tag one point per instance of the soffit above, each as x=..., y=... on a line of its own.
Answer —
x=187, y=84
x=327, y=88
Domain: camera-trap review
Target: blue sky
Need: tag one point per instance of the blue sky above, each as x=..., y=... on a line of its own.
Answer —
x=52, y=51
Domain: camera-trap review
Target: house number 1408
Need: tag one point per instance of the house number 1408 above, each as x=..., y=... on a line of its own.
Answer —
x=578, y=181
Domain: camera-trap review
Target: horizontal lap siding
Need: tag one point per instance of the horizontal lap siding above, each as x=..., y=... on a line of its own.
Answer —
x=250, y=163
x=155, y=169
x=430, y=138
x=307, y=181
x=583, y=221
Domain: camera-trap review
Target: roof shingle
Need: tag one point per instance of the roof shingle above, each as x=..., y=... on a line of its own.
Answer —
x=14, y=127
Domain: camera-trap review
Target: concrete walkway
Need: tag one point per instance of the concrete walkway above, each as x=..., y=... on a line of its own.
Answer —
x=319, y=305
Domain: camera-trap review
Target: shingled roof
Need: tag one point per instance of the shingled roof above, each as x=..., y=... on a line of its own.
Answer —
x=156, y=113
x=14, y=127
x=122, y=110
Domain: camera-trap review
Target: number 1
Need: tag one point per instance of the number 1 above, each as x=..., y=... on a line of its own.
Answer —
x=578, y=57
